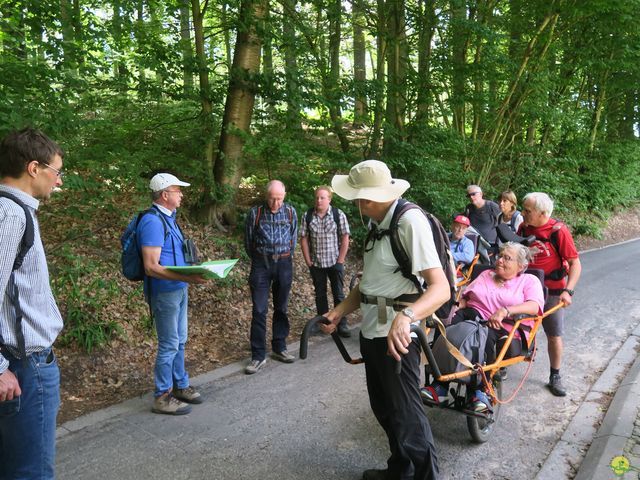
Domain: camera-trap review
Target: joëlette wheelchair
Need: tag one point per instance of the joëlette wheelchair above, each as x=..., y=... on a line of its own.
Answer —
x=479, y=424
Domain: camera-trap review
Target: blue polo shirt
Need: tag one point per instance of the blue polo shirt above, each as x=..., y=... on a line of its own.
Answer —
x=151, y=234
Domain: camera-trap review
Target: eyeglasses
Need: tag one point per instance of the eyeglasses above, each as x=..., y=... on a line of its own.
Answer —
x=505, y=258
x=59, y=173
x=175, y=191
x=472, y=194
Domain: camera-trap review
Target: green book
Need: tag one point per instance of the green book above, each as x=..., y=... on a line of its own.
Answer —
x=212, y=269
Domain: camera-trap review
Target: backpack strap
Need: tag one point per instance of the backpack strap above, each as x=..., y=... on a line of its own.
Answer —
x=257, y=221
x=25, y=245
x=552, y=239
x=400, y=254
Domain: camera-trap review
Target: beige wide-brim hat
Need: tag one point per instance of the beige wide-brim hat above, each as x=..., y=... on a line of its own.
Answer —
x=369, y=180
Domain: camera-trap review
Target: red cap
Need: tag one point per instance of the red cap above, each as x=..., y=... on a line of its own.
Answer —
x=462, y=219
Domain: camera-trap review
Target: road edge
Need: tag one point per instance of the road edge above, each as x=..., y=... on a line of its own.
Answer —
x=595, y=436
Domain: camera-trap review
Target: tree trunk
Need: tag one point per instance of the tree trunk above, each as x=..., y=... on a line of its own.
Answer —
x=396, y=74
x=238, y=109
x=292, y=89
x=458, y=60
x=332, y=89
x=185, y=46
x=197, y=13
x=425, y=37
x=359, y=64
x=68, y=37
x=381, y=53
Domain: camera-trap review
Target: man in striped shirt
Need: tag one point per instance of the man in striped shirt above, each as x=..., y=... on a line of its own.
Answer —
x=30, y=169
x=270, y=238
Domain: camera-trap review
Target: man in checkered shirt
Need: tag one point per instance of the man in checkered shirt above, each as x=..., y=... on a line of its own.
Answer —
x=325, y=243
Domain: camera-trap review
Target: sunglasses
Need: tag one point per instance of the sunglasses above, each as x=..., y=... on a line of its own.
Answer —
x=472, y=194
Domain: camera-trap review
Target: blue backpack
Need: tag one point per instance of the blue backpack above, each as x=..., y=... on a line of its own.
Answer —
x=131, y=256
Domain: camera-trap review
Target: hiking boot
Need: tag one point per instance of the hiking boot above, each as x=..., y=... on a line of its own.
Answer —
x=480, y=402
x=434, y=394
x=343, y=330
x=170, y=405
x=375, y=474
x=283, y=356
x=555, y=385
x=254, y=366
x=188, y=395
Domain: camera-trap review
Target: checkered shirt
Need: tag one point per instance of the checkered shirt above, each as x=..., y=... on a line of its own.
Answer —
x=323, y=237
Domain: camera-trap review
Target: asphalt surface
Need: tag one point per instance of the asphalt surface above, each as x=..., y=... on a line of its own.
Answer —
x=311, y=420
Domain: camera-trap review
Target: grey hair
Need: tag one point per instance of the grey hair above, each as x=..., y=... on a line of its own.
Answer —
x=541, y=202
x=474, y=187
x=156, y=195
x=523, y=254
x=272, y=184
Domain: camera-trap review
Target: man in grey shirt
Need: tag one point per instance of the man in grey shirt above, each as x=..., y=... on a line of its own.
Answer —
x=30, y=168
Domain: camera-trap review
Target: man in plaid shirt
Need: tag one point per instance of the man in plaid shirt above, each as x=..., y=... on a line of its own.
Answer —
x=325, y=242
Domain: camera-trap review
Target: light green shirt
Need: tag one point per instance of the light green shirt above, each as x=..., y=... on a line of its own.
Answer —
x=379, y=276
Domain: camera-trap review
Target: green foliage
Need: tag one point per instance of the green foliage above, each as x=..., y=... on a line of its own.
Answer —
x=83, y=293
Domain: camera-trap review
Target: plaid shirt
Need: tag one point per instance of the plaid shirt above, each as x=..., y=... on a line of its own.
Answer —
x=274, y=233
x=323, y=237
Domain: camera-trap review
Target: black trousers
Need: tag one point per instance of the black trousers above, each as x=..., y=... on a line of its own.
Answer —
x=395, y=401
x=335, y=275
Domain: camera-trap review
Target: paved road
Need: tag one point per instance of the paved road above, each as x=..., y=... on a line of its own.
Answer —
x=311, y=420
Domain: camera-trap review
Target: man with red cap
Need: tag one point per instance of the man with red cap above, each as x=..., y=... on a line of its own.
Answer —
x=461, y=247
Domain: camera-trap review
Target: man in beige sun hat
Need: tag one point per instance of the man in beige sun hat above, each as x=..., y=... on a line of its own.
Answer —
x=385, y=333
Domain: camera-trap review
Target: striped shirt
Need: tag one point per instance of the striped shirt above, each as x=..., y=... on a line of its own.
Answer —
x=41, y=321
x=323, y=237
x=274, y=233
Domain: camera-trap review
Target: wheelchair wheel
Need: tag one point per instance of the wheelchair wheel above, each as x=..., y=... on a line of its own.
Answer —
x=481, y=428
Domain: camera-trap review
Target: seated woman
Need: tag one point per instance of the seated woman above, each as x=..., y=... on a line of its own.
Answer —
x=508, y=210
x=494, y=296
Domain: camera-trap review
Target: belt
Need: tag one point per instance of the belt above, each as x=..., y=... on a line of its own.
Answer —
x=397, y=303
x=278, y=256
x=272, y=256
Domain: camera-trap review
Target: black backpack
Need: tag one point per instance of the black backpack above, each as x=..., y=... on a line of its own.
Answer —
x=25, y=246
x=441, y=241
x=131, y=257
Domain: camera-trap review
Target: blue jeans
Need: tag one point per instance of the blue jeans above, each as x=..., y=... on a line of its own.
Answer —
x=277, y=276
x=28, y=422
x=170, y=317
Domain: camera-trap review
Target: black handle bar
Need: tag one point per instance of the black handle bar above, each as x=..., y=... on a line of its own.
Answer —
x=306, y=333
x=422, y=338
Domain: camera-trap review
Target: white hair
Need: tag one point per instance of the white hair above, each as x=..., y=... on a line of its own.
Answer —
x=473, y=188
x=541, y=202
x=275, y=183
x=523, y=253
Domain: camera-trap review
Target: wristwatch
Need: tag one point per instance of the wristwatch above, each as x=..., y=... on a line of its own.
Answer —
x=407, y=312
x=569, y=291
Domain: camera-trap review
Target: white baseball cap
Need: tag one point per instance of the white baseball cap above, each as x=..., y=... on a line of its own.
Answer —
x=161, y=181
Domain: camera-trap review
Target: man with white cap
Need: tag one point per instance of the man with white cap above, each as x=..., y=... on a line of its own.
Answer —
x=385, y=333
x=161, y=241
